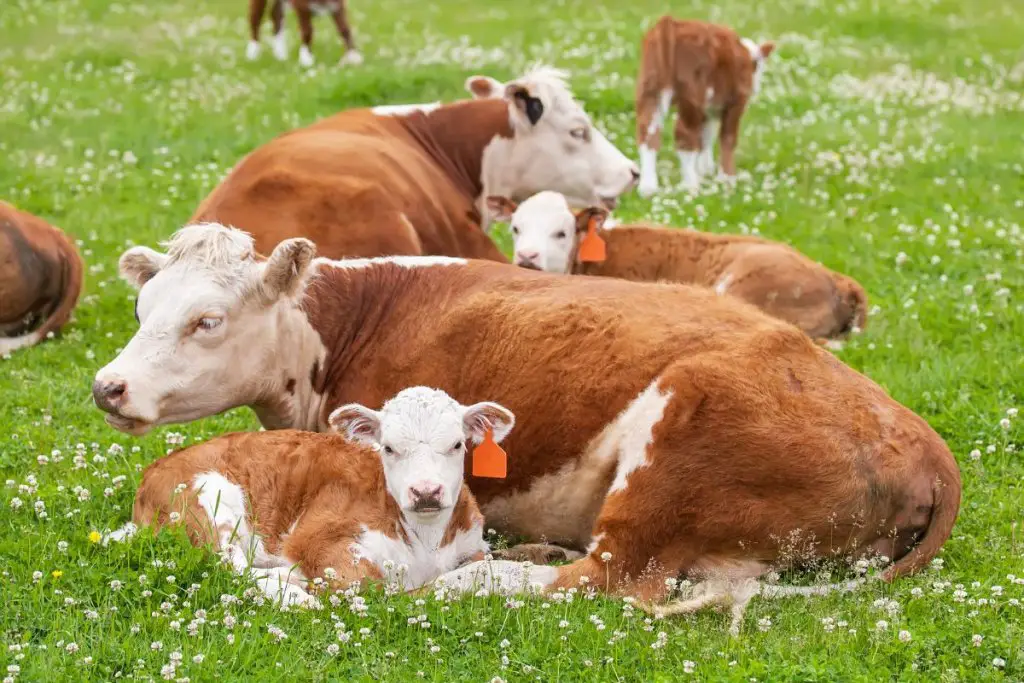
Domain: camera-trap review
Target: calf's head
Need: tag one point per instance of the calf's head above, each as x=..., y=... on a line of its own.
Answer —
x=422, y=436
x=759, y=54
x=545, y=232
x=555, y=145
x=208, y=310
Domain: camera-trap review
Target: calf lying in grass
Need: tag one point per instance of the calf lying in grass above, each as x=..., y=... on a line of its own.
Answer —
x=774, y=277
x=286, y=507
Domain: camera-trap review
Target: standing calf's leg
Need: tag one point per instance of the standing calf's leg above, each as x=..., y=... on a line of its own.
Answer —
x=256, y=9
x=706, y=163
x=688, y=135
x=305, y=17
x=729, y=136
x=280, y=43
x=352, y=55
x=651, y=109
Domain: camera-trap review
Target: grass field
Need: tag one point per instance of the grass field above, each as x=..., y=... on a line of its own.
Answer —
x=888, y=143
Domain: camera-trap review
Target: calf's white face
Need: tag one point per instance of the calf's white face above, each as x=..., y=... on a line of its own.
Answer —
x=555, y=144
x=207, y=322
x=422, y=436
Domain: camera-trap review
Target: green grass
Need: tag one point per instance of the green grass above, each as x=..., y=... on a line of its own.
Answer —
x=117, y=118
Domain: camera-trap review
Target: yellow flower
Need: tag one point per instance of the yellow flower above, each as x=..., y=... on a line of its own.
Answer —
x=95, y=537
x=56, y=573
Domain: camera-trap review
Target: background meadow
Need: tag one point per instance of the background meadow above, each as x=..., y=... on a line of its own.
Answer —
x=888, y=143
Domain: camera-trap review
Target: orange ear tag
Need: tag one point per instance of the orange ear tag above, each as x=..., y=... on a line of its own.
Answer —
x=592, y=247
x=489, y=460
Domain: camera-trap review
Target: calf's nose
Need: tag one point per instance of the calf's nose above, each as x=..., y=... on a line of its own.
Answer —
x=527, y=258
x=426, y=495
x=109, y=394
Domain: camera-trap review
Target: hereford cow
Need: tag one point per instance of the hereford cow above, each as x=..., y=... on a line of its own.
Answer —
x=411, y=179
x=304, y=11
x=40, y=279
x=662, y=427
x=288, y=507
x=776, y=278
x=709, y=73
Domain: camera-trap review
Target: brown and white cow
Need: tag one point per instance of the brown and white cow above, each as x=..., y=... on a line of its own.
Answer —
x=710, y=74
x=40, y=279
x=663, y=428
x=776, y=278
x=287, y=507
x=304, y=11
x=411, y=179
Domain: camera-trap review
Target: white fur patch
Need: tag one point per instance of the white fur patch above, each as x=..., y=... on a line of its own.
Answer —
x=401, y=261
x=648, y=171
x=305, y=57
x=279, y=45
x=688, y=165
x=499, y=576
x=723, y=283
x=404, y=109
x=421, y=560
x=635, y=432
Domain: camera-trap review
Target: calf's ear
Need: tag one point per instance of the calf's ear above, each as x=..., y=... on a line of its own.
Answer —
x=480, y=418
x=284, y=270
x=501, y=208
x=483, y=87
x=356, y=423
x=585, y=217
x=138, y=265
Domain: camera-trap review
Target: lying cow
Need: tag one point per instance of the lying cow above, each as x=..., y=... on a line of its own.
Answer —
x=663, y=428
x=710, y=74
x=304, y=11
x=287, y=507
x=411, y=179
x=776, y=278
x=40, y=279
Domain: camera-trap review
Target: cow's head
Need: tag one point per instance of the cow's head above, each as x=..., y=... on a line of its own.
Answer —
x=208, y=310
x=545, y=232
x=555, y=145
x=759, y=53
x=422, y=436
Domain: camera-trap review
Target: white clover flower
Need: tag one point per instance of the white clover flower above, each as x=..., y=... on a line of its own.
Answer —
x=904, y=636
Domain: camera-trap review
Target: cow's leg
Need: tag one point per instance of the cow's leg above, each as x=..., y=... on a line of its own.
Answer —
x=729, y=136
x=651, y=109
x=324, y=550
x=352, y=56
x=256, y=9
x=706, y=163
x=305, y=16
x=279, y=44
x=689, y=132
x=537, y=553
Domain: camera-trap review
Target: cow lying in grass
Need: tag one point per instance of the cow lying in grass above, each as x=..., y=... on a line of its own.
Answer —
x=40, y=279
x=776, y=278
x=287, y=507
x=663, y=428
x=411, y=179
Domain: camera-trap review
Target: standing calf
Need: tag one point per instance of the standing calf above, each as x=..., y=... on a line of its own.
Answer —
x=710, y=74
x=774, y=277
x=40, y=279
x=286, y=507
x=304, y=10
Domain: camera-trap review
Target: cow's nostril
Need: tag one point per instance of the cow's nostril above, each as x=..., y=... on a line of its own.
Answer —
x=109, y=394
x=636, y=173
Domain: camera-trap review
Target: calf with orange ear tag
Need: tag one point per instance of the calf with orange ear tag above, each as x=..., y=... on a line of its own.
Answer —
x=590, y=242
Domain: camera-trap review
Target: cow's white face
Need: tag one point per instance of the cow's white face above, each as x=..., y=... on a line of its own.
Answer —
x=208, y=314
x=422, y=436
x=555, y=145
x=759, y=53
x=545, y=231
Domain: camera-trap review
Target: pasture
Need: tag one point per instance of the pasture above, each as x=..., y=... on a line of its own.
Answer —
x=886, y=143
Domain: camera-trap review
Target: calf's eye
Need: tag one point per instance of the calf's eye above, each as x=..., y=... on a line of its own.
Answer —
x=207, y=324
x=515, y=230
x=389, y=450
x=560, y=235
x=457, y=447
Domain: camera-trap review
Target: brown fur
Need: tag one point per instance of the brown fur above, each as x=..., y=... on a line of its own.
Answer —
x=304, y=14
x=689, y=57
x=362, y=185
x=40, y=275
x=333, y=487
x=766, y=435
x=772, y=276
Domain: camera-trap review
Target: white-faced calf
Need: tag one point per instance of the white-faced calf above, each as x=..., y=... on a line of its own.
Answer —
x=304, y=11
x=40, y=279
x=709, y=73
x=776, y=278
x=385, y=501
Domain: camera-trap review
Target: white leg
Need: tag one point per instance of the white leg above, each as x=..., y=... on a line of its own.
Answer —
x=499, y=576
x=688, y=166
x=648, y=171
x=351, y=58
x=279, y=45
x=284, y=586
x=252, y=50
x=706, y=163
x=305, y=57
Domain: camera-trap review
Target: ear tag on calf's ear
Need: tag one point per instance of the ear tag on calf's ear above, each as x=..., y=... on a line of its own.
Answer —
x=489, y=460
x=592, y=246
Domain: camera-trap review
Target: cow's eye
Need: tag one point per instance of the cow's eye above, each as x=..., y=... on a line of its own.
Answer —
x=389, y=450
x=209, y=323
x=458, y=446
x=560, y=235
x=515, y=230
x=581, y=133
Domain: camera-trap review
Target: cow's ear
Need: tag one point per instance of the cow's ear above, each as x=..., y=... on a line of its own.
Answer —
x=356, y=423
x=480, y=418
x=766, y=49
x=520, y=97
x=484, y=87
x=585, y=217
x=138, y=265
x=284, y=270
x=501, y=208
